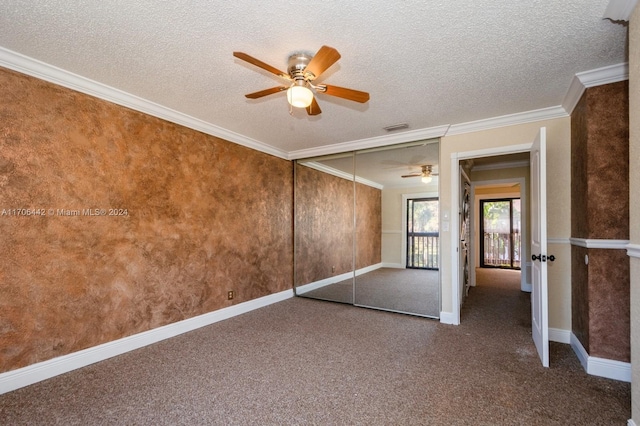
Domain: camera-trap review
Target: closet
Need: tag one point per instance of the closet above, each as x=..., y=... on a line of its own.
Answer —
x=351, y=228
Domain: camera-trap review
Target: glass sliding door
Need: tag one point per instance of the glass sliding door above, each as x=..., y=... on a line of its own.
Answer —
x=423, y=233
x=501, y=233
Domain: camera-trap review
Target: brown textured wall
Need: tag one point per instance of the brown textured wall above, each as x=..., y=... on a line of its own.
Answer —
x=203, y=216
x=368, y=226
x=608, y=161
x=609, y=310
x=324, y=229
x=580, y=295
x=323, y=225
x=600, y=210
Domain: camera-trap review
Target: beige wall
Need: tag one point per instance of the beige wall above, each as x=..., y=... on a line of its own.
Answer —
x=558, y=203
x=634, y=211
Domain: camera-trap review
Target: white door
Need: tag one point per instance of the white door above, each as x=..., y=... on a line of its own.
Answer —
x=539, y=300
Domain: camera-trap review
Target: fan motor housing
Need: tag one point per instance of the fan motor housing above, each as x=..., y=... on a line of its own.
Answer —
x=297, y=63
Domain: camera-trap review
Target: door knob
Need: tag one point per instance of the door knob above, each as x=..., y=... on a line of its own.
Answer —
x=543, y=257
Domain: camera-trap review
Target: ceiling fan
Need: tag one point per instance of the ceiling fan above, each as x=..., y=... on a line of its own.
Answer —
x=302, y=71
x=426, y=174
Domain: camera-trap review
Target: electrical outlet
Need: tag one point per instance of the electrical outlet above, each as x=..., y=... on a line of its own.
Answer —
x=230, y=294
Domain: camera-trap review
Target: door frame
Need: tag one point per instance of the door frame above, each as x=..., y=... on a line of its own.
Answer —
x=456, y=157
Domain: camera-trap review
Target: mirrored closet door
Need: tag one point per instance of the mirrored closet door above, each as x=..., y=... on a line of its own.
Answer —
x=403, y=229
x=366, y=228
x=324, y=228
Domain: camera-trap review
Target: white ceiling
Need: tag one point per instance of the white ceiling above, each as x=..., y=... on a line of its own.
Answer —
x=428, y=63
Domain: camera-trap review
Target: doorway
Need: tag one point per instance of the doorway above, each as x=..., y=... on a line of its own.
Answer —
x=485, y=174
x=539, y=301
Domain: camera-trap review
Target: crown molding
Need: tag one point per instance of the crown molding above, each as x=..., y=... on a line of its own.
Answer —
x=339, y=173
x=507, y=120
x=35, y=68
x=573, y=95
x=604, y=75
x=597, y=77
x=29, y=66
x=620, y=10
x=375, y=142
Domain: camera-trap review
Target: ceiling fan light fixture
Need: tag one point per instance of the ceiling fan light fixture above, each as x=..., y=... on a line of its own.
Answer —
x=426, y=179
x=299, y=96
x=303, y=69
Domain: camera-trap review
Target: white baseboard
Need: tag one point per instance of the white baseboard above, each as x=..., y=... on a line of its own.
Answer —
x=302, y=289
x=335, y=279
x=560, y=335
x=368, y=269
x=34, y=373
x=393, y=265
x=580, y=351
x=448, y=318
x=611, y=369
x=631, y=423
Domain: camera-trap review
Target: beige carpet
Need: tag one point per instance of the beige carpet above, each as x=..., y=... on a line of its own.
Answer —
x=412, y=291
x=308, y=362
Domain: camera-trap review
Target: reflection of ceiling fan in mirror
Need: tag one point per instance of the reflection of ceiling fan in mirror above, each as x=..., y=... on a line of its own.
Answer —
x=302, y=71
x=426, y=174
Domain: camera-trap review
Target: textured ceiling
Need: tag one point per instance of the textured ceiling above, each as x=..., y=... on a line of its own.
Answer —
x=384, y=167
x=427, y=63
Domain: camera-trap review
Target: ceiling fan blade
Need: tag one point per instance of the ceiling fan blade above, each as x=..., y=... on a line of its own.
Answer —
x=260, y=64
x=314, y=108
x=412, y=175
x=261, y=93
x=341, y=92
x=325, y=57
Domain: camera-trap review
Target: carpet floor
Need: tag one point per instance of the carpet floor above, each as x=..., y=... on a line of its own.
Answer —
x=411, y=291
x=310, y=362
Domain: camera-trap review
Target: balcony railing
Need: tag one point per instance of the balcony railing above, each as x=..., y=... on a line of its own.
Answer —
x=502, y=250
x=422, y=250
